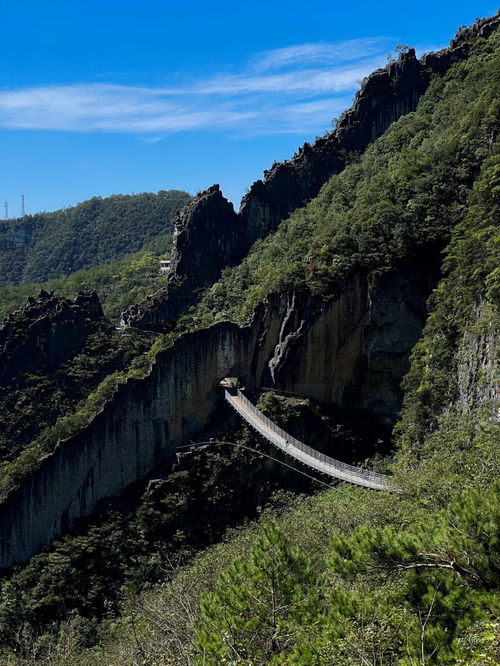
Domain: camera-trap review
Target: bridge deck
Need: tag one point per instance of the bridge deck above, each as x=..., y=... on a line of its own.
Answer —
x=298, y=450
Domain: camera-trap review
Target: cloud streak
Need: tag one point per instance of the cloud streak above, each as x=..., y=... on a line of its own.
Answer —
x=295, y=89
x=320, y=53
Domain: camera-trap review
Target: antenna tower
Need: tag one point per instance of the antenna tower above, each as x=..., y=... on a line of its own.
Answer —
x=23, y=212
x=6, y=205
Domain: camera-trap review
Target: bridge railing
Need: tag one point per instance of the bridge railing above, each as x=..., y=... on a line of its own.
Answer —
x=325, y=462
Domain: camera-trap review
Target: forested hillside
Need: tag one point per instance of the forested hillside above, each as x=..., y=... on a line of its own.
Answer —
x=43, y=246
x=306, y=575
x=407, y=191
x=118, y=284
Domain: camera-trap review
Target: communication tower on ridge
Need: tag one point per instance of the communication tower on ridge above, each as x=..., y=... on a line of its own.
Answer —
x=23, y=212
x=6, y=206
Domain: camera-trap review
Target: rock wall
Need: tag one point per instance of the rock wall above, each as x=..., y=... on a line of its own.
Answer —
x=47, y=332
x=208, y=236
x=139, y=428
x=477, y=365
x=385, y=96
x=335, y=352
x=351, y=351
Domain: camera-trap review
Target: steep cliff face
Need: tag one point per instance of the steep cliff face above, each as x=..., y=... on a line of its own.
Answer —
x=136, y=431
x=385, y=96
x=351, y=352
x=477, y=364
x=209, y=227
x=211, y=236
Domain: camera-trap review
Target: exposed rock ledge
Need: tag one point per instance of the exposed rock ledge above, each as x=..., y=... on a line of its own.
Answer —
x=350, y=352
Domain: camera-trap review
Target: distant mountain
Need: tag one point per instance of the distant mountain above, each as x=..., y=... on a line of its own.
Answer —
x=39, y=247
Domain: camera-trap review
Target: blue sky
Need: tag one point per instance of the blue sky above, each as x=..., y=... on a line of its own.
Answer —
x=100, y=97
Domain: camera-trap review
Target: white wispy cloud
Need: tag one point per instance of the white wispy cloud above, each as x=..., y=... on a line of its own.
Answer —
x=311, y=81
x=294, y=89
x=319, y=53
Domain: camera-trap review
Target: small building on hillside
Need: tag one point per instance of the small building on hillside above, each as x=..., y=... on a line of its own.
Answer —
x=164, y=265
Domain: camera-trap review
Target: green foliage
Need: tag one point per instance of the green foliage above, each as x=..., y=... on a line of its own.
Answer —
x=92, y=387
x=258, y=604
x=118, y=284
x=403, y=595
x=347, y=576
x=407, y=191
x=467, y=300
x=45, y=246
x=372, y=606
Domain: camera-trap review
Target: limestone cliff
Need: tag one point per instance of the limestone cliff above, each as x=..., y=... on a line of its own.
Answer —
x=208, y=236
x=351, y=352
x=477, y=364
x=385, y=96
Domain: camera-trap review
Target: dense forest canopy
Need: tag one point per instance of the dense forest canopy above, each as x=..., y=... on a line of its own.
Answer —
x=39, y=247
x=118, y=284
x=407, y=191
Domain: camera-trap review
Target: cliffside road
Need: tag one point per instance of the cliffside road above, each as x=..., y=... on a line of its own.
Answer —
x=298, y=450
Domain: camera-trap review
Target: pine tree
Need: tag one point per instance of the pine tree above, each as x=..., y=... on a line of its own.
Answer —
x=258, y=604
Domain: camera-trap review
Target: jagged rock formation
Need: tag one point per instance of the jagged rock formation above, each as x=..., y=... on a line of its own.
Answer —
x=208, y=236
x=353, y=351
x=208, y=228
x=199, y=247
x=46, y=333
x=385, y=96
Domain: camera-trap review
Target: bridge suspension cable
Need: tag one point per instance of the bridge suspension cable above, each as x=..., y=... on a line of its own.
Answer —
x=213, y=442
x=297, y=449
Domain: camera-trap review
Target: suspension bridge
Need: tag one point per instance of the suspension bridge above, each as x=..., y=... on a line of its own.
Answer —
x=297, y=449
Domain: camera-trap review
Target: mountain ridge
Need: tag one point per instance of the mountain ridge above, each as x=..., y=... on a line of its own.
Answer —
x=385, y=95
x=37, y=247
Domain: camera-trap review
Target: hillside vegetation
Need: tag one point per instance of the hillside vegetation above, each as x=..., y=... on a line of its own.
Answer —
x=44, y=246
x=118, y=284
x=346, y=576
x=409, y=189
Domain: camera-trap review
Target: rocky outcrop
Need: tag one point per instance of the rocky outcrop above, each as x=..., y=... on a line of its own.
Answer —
x=385, y=96
x=351, y=352
x=136, y=430
x=211, y=236
x=208, y=236
x=477, y=365
x=46, y=333
x=208, y=228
